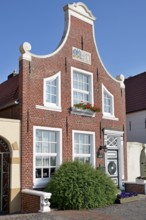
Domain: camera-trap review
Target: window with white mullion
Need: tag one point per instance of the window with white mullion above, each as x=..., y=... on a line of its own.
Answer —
x=108, y=102
x=46, y=145
x=47, y=154
x=82, y=145
x=52, y=91
x=80, y=96
x=80, y=87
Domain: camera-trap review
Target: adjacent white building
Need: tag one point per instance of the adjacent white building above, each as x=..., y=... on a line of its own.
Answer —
x=136, y=108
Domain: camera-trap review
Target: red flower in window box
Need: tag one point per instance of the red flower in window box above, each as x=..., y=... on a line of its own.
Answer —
x=88, y=106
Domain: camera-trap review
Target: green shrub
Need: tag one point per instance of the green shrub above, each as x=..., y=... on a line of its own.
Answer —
x=79, y=186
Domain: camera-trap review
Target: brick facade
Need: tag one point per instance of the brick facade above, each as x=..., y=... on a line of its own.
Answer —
x=31, y=75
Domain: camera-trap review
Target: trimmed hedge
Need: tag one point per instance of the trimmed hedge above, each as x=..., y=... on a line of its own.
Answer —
x=78, y=186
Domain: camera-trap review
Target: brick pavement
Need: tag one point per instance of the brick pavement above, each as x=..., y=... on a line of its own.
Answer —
x=128, y=211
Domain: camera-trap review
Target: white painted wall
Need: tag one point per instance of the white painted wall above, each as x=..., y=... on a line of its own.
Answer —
x=138, y=130
x=133, y=160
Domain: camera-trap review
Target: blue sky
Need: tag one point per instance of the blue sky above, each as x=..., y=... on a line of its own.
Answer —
x=120, y=31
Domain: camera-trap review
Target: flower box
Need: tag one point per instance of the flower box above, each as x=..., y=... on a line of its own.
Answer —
x=128, y=199
x=142, y=181
x=124, y=197
x=85, y=109
x=84, y=112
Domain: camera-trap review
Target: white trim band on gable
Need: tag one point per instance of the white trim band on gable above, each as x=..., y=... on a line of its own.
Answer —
x=78, y=10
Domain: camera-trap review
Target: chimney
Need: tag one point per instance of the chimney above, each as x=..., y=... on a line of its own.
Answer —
x=14, y=73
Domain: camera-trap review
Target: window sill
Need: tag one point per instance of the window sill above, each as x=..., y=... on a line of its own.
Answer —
x=110, y=118
x=83, y=112
x=40, y=183
x=55, y=108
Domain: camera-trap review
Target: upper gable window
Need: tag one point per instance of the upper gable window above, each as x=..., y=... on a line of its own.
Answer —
x=52, y=91
x=107, y=103
x=82, y=86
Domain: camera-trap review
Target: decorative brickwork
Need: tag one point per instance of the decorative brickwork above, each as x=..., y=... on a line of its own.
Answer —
x=30, y=203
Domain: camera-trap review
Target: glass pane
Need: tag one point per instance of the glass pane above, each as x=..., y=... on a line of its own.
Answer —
x=76, y=138
x=53, y=82
x=76, y=149
x=75, y=85
x=87, y=139
x=86, y=98
x=47, y=98
x=85, y=87
x=38, y=173
x=45, y=147
x=87, y=160
x=80, y=86
x=52, y=136
x=80, y=77
x=46, y=162
x=38, y=147
x=45, y=135
x=86, y=149
x=45, y=173
x=52, y=171
x=109, y=101
x=47, y=88
x=38, y=135
x=53, y=161
x=81, y=149
x=81, y=139
x=53, y=148
x=75, y=76
x=86, y=79
x=53, y=90
x=38, y=161
x=52, y=99
x=80, y=96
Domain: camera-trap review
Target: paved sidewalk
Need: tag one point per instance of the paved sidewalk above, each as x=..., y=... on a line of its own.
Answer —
x=127, y=211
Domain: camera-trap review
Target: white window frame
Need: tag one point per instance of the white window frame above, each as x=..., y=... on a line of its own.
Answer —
x=92, y=154
x=52, y=106
x=41, y=182
x=91, y=92
x=107, y=115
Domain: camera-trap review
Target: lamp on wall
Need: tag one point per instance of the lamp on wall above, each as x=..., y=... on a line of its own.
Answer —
x=99, y=154
x=104, y=147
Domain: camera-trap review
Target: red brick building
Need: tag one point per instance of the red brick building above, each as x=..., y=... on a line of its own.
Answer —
x=53, y=128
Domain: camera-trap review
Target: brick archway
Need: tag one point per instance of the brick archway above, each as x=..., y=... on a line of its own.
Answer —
x=4, y=176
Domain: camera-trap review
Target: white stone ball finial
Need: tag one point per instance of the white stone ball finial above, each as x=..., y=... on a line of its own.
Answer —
x=25, y=47
x=121, y=78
